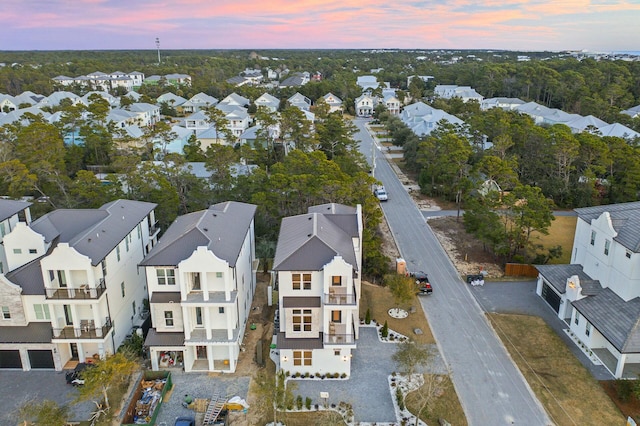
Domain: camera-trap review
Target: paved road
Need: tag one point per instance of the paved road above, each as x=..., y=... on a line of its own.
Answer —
x=491, y=389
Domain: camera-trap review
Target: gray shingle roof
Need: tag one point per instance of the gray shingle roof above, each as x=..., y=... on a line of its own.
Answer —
x=35, y=332
x=165, y=297
x=164, y=339
x=308, y=242
x=557, y=276
x=93, y=232
x=298, y=343
x=625, y=218
x=29, y=277
x=301, y=302
x=10, y=207
x=221, y=228
x=617, y=320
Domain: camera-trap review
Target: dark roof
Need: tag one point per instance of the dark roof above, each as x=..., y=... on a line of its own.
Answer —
x=301, y=302
x=625, y=218
x=299, y=343
x=308, y=242
x=35, y=332
x=164, y=339
x=221, y=228
x=93, y=232
x=165, y=297
x=557, y=276
x=10, y=207
x=617, y=320
x=29, y=277
x=293, y=81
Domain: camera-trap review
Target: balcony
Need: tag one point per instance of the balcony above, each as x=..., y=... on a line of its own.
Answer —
x=335, y=297
x=87, y=330
x=82, y=292
x=153, y=229
x=338, y=335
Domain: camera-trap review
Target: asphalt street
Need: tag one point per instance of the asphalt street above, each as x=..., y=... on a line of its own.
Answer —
x=491, y=389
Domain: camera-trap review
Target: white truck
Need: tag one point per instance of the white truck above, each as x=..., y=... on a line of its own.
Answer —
x=381, y=193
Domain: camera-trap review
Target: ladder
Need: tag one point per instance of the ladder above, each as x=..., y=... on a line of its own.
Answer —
x=214, y=408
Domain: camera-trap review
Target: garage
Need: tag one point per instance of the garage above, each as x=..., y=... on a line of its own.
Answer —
x=551, y=297
x=10, y=359
x=41, y=359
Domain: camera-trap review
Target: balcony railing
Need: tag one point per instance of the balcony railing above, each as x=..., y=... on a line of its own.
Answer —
x=83, y=332
x=153, y=229
x=339, y=299
x=339, y=339
x=82, y=292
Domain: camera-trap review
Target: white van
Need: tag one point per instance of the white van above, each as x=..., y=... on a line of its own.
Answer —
x=381, y=193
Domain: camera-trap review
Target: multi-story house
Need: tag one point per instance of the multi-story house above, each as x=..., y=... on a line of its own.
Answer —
x=73, y=290
x=334, y=102
x=598, y=294
x=318, y=263
x=11, y=212
x=365, y=105
x=201, y=278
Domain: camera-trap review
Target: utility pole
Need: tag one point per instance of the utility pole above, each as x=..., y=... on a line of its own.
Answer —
x=158, y=46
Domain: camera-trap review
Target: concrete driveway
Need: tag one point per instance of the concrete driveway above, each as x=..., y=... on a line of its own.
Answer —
x=519, y=297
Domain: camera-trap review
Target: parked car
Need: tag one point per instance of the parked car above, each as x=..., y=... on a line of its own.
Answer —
x=185, y=421
x=74, y=377
x=381, y=193
x=422, y=282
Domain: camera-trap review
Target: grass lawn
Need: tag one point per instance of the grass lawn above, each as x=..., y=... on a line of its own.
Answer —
x=379, y=300
x=561, y=233
x=568, y=392
x=446, y=406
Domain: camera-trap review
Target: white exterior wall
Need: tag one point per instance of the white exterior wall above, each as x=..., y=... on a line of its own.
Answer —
x=158, y=319
x=323, y=361
x=18, y=244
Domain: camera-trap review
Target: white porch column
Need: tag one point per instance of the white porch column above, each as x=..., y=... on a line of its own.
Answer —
x=232, y=359
x=204, y=285
x=207, y=322
x=210, y=358
x=229, y=321
x=620, y=365
x=186, y=322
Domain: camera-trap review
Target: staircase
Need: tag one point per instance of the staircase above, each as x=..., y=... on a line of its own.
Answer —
x=213, y=410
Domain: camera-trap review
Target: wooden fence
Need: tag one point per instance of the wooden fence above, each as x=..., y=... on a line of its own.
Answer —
x=520, y=270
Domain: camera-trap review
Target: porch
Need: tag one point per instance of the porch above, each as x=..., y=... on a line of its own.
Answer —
x=630, y=371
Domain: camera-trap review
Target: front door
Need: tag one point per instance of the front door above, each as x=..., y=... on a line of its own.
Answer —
x=201, y=352
x=74, y=350
x=67, y=315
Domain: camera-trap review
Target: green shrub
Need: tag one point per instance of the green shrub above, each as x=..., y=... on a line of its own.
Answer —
x=384, y=331
x=624, y=389
x=307, y=403
x=367, y=317
x=399, y=398
x=299, y=402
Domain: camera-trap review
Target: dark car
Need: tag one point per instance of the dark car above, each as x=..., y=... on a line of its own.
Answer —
x=422, y=282
x=185, y=421
x=74, y=377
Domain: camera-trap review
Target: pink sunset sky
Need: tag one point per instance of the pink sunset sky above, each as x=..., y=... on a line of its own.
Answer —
x=595, y=25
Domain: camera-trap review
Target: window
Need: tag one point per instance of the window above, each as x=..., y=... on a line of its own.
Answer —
x=33, y=251
x=118, y=252
x=628, y=254
x=139, y=229
x=587, y=329
x=593, y=238
x=221, y=310
x=336, y=280
x=302, y=320
x=126, y=244
x=301, y=280
x=336, y=316
x=198, y=315
x=104, y=267
x=122, y=288
x=166, y=276
x=17, y=251
x=218, y=274
x=577, y=318
x=42, y=312
x=6, y=314
x=337, y=352
x=168, y=318
x=301, y=357
x=607, y=244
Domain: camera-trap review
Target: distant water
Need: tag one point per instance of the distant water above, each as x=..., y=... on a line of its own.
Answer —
x=627, y=52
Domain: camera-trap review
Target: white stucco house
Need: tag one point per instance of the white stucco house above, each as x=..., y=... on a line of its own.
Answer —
x=365, y=105
x=72, y=290
x=318, y=266
x=201, y=279
x=11, y=212
x=598, y=294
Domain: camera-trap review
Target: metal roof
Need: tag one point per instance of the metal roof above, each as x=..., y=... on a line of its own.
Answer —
x=34, y=332
x=617, y=320
x=165, y=297
x=301, y=302
x=299, y=343
x=164, y=339
x=29, y=277
x=221, y=228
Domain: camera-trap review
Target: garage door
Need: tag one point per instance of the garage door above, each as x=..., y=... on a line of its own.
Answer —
x=10, y=359
x=552, y=298
x=41, y=359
